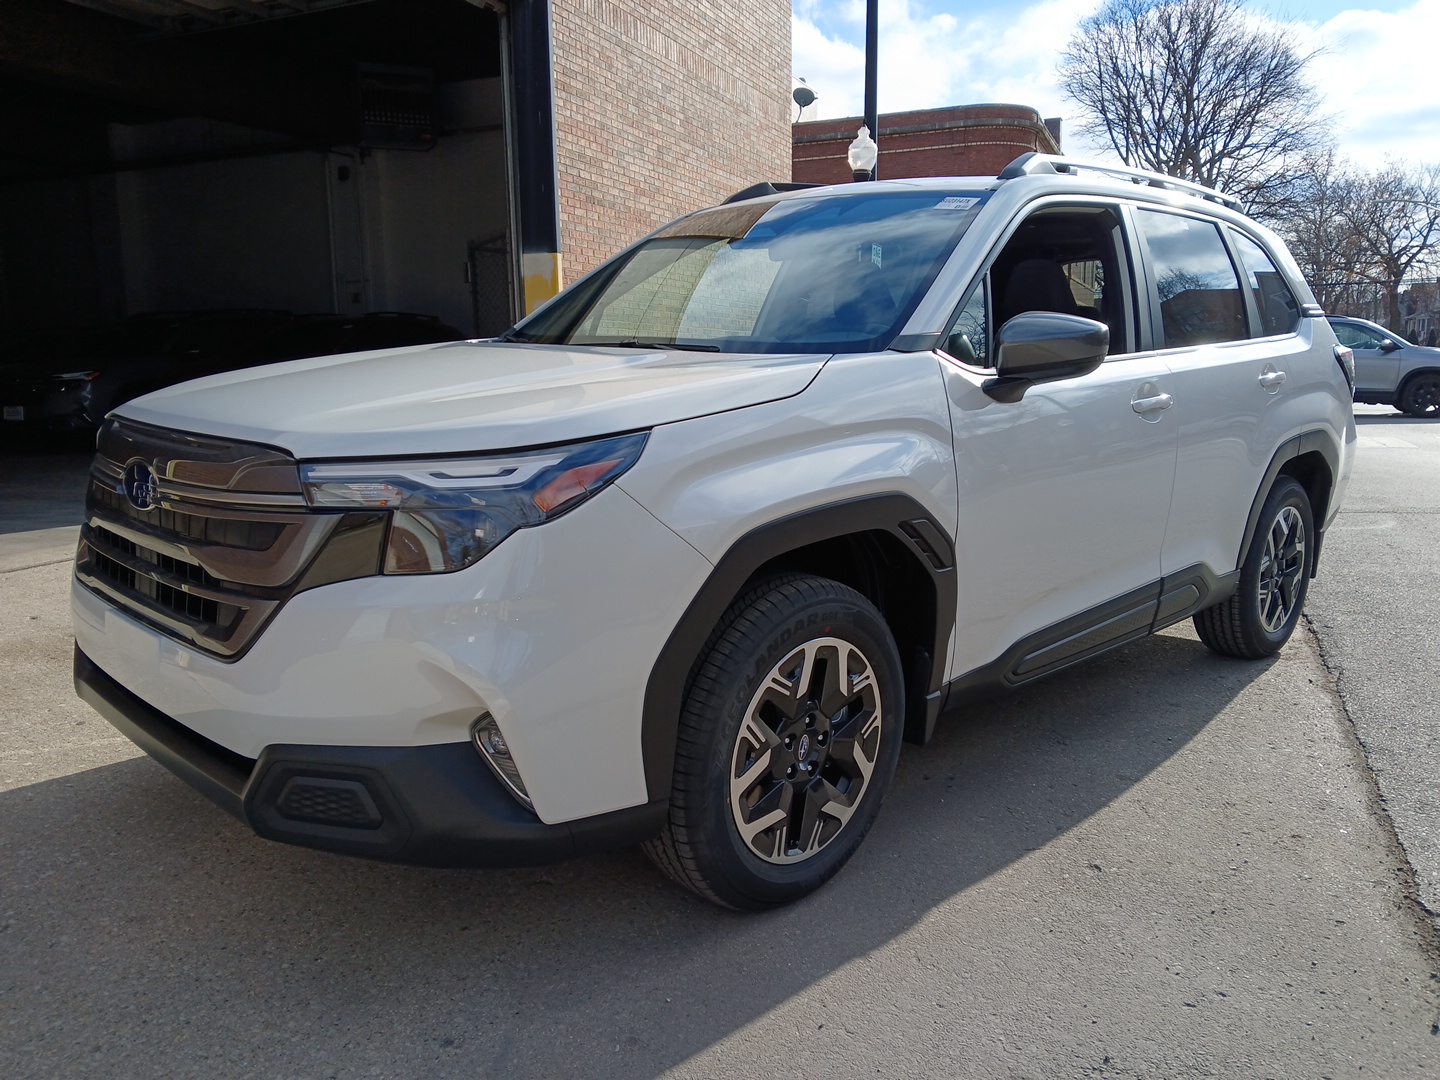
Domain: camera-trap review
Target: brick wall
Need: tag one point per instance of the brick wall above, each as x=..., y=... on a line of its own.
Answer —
x=967, y=140
x=662, y=107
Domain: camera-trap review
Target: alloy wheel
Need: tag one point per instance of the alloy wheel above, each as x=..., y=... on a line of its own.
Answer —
x=1423, y=398
x=805, y=752
x=1281, y=569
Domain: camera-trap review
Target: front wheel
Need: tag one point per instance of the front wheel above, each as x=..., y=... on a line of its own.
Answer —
x=788, y=738
x=1259, y=617
x=1421, y=396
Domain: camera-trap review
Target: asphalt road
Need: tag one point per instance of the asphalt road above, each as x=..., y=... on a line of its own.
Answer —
x=1161, y=864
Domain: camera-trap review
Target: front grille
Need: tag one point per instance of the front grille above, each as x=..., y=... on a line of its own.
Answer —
x=110, y=550
x=227, y=540
x=250, y=535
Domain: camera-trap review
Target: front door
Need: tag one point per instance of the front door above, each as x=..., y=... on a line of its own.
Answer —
x=1376, y=371
x=1063, y=495
x=1063, y=500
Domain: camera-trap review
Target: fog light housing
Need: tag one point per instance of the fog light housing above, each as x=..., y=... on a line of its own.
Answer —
x=490, y=743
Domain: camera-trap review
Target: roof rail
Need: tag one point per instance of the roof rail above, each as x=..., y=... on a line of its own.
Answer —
x=1033, y=164
x=765, y=187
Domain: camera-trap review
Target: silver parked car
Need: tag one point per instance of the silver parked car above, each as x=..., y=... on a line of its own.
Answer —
x=1390, y=370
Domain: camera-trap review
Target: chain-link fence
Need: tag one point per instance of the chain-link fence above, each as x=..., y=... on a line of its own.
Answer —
x=490, y=300
x=1419, y=305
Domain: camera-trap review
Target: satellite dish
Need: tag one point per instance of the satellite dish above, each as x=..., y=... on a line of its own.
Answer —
x=803, y=96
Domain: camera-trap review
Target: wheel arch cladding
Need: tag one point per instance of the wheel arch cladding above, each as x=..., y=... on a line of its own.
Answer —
x=1313, y=460
x=887, y=547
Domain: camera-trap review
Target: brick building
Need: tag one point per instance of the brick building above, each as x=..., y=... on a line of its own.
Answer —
x=965, y=140
x=460, y=158
x=661, y=107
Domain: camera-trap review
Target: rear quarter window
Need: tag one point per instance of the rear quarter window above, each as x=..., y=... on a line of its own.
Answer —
x=1276, y=305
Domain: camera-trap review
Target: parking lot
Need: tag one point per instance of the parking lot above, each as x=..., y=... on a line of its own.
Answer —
x=1159, y=864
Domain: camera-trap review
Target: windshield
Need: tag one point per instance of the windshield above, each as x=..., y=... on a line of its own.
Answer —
x=840, y=273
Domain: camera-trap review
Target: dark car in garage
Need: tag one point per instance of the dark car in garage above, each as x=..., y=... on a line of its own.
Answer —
x=60, y=383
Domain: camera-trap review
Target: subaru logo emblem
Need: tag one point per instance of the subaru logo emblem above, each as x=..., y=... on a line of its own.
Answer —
x=804, y=747
x=140, y=486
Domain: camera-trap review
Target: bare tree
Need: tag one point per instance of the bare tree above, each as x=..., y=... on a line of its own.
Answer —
x=1313, y=221
x=1394, y=215
x=1196, y=89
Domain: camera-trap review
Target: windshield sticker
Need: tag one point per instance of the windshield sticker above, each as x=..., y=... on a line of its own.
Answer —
x=955, y=202
x=875, y=254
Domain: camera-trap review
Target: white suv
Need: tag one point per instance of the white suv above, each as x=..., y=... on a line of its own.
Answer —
x=682, y=557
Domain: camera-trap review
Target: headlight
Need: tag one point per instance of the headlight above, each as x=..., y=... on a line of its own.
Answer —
x=76, y=380
x=448, y=513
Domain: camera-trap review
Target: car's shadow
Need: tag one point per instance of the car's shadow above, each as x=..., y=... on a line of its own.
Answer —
x=130, y=901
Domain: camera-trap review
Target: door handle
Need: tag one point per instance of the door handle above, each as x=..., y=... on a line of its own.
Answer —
x=1156, y=403
x=1271, y=379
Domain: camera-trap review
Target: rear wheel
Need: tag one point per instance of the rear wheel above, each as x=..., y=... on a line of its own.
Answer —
x=788, y=739
x=1259, y=617
x=1421, y=396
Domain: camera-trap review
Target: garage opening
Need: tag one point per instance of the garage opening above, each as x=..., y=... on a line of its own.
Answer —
x=311, y=157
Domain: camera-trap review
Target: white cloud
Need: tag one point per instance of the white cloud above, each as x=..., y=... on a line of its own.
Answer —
x=1378, y=76
x=1375, y=74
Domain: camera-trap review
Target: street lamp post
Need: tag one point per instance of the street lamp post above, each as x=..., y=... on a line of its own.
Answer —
x=872, y=40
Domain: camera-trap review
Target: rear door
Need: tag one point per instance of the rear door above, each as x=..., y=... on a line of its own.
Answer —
x=1239, y=365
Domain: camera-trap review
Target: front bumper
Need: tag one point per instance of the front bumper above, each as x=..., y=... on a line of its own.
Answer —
x=433, y=805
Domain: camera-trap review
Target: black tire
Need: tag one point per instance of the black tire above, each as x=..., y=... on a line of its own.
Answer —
x=1258, y=619
x=1421, y=395
x=808, y=762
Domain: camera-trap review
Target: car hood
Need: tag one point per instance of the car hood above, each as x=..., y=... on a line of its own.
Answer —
x=463, y=396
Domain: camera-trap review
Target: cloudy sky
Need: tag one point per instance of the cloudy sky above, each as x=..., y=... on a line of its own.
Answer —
x=1379, y=72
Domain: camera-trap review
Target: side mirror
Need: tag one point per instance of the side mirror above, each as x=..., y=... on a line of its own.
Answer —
x=1042, y=346
x=1390, y=346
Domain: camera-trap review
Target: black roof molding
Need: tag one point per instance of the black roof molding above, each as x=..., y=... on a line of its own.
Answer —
x=765, y=187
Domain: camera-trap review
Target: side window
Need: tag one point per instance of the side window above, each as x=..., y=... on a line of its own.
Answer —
x=1067, y=260
x=1357, y=337
x=1199, y=293
x=968, y=341
x=1279, y=311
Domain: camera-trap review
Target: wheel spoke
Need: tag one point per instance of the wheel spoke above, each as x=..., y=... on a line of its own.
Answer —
x=849, y=746
x=806, y=835
x=741, y=785
x=846, y=677
x=836, y=804
x=1290, y=587
x=788, y=684
x=771, y=810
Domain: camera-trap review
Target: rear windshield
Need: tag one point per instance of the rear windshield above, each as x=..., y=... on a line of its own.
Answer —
x=840, y=273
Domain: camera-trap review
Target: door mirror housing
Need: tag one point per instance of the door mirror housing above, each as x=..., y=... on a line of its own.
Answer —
x=1390, y=346
x=1042, y=346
